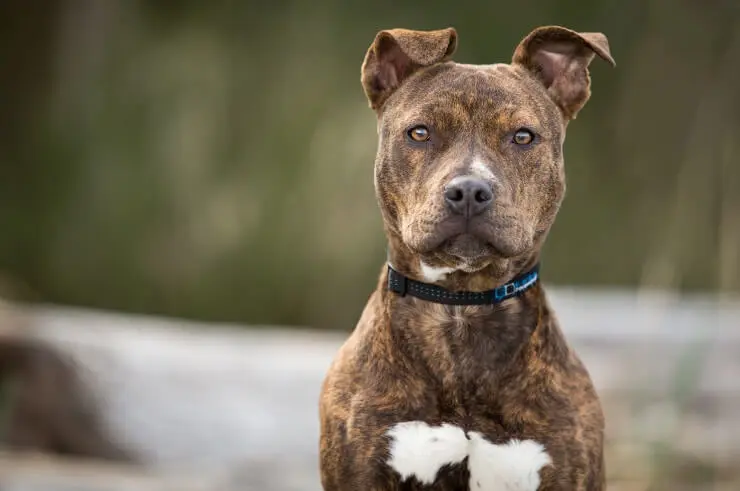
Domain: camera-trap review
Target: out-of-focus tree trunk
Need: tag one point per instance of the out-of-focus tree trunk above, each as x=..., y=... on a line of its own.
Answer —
x=27, y=32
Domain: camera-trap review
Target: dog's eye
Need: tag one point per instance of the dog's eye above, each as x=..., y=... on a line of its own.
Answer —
x=419, y=133
x=523, y=137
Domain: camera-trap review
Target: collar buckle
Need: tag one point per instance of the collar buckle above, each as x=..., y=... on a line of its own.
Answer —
x=504, y=291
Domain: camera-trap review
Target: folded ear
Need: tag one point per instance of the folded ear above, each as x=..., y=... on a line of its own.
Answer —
x=560, y=57
x=397, y=53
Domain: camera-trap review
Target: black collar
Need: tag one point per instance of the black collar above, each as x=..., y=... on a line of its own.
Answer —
x=402, y=285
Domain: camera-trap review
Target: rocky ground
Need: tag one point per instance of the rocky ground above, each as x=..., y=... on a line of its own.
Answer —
x=215, y=407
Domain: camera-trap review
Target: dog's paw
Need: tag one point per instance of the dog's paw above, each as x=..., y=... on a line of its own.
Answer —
x=513, y=466
x=420, y=450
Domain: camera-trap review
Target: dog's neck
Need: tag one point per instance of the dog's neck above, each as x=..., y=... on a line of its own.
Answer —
x=492, y=275
x=469, y=343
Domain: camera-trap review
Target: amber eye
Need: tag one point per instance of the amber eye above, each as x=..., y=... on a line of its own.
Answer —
x=419, y=133
x=523, y=137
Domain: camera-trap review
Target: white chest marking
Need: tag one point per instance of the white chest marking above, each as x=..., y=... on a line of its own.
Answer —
x=420, y=450
x=432, y=274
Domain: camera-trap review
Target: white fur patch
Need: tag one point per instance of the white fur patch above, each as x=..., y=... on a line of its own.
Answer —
x=480, y=169
x=514, y=466
x=420, y=450
x=432, y=274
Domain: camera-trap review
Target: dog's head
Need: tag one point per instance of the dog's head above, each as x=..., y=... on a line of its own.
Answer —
x=469, y=170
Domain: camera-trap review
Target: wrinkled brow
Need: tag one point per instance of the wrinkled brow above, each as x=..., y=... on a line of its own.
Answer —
x=437, y=112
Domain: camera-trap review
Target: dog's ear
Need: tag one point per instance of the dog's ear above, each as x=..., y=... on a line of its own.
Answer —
x=560, y=57
x=397, y=53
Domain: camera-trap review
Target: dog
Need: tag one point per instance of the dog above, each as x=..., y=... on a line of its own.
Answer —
x=457, y=375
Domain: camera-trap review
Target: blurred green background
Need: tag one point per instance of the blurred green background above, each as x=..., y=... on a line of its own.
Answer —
x=213, y=160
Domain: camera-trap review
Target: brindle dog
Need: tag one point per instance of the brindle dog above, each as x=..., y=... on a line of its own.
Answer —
x=469, y=176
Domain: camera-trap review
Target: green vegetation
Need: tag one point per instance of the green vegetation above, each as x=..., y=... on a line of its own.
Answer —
x=214, y=160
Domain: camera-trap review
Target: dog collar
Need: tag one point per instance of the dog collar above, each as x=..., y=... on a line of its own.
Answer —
x=402, y=285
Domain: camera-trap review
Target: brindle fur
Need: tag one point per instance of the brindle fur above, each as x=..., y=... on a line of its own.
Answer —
x=504, y=370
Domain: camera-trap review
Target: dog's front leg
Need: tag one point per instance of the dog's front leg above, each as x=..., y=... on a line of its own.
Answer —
x=356, y=464
x=409, y=454
x=354, y=451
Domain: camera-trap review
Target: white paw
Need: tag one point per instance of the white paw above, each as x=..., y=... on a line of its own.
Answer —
x=513, y=466
x=420, y=450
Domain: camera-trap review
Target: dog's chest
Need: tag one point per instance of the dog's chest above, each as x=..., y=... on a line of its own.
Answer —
x=462, y=441
x=464, y=354
x=446, y=457
x=450, y=478
x=466, y=341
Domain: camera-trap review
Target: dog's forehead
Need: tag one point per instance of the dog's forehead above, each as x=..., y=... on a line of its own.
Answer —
x=466, y=92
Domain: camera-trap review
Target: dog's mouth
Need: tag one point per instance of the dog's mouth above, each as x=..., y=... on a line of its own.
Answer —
x=476, y=239
x=468, y=246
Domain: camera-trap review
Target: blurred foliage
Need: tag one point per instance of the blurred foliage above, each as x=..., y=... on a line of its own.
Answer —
x=214, y=159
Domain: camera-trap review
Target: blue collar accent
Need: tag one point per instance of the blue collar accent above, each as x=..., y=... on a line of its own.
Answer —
x=402, y=285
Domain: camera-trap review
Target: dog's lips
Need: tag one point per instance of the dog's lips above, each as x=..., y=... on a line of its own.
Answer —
x=476, y=238
x=457, y=238
x=468, y=246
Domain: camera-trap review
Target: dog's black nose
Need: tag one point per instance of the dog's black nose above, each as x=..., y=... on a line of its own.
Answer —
x=468, y=196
